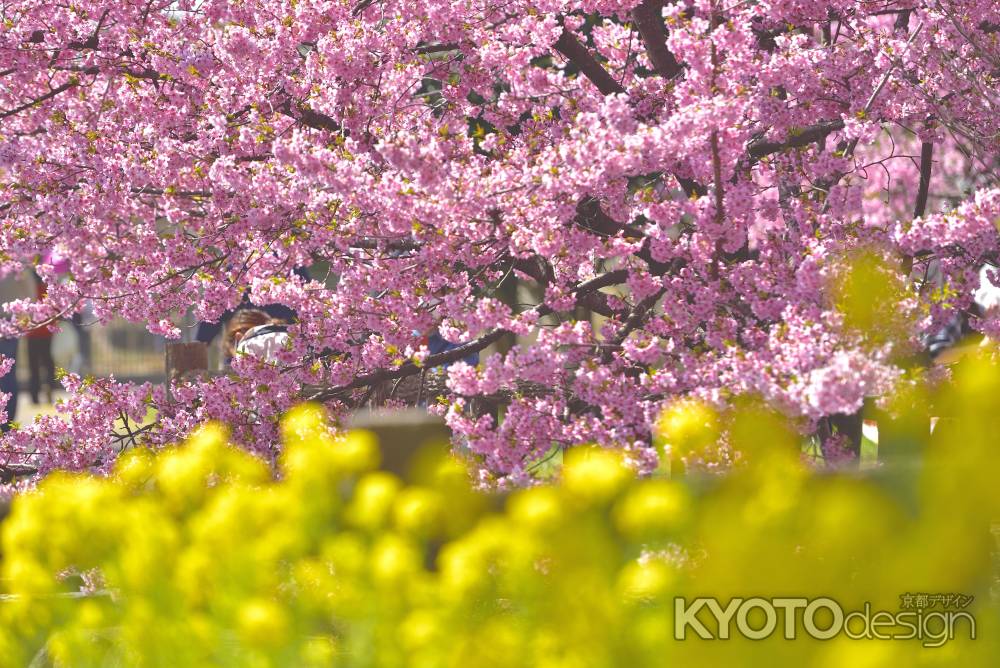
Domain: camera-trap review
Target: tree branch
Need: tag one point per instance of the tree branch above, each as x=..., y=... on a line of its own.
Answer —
x=638, y=316
x=720, y=193
x=93, y=40
x=590, y=216
x=72, y=83
x=902, y=22
x=386, y=244
x=649, y=19
x=926, y=162
x=760, y=148
x=579, y=55
x=541, y=272
x=459, y=352
x=361, y=7
x=428, y=49
x=920, y=206
x=309, y=117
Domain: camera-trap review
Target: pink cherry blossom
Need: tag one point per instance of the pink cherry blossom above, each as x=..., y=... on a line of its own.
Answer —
x=615, y=203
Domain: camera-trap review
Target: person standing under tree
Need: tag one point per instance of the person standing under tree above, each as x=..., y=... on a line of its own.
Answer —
x=254, y=332
x=40, y=355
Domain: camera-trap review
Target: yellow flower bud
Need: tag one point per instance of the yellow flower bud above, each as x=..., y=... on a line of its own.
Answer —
x=263, y=623
x=594, y=475
x=393, y=559
x=538, y=509
x=463, y=567
x=319, y=652
x=357, y=452
x=652, y=507
x=182, y=474
x=303, y=422
x=135, y=467
x=418, y=511
x=419, y=629
x=648, y=579
x=346, y=552
x=372, y=501
x=688, y=425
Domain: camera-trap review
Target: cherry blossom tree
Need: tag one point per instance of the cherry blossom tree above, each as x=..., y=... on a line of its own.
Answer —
x=617, y=204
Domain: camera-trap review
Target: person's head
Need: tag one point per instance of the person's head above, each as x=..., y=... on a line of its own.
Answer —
x=242, y=322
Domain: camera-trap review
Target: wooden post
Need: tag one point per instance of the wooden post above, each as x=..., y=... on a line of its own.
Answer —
x=401, y=434
x=185, y=358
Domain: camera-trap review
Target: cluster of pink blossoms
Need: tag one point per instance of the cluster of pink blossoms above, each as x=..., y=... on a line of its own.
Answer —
x=614, y=203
